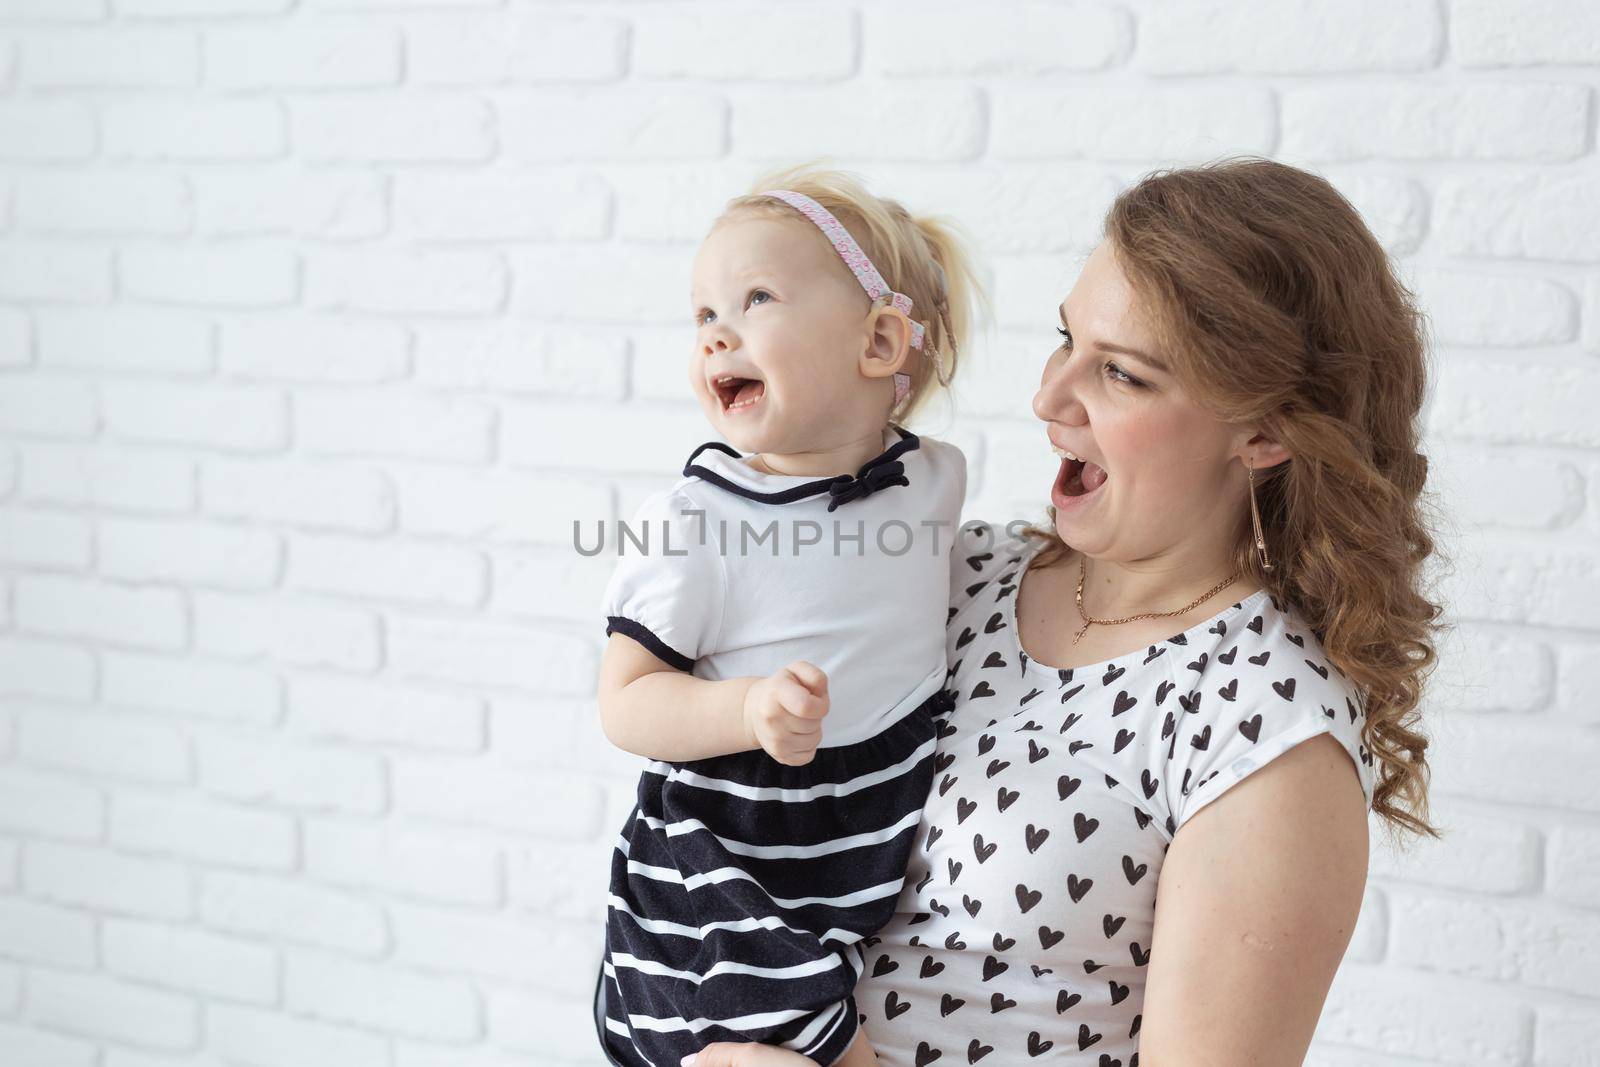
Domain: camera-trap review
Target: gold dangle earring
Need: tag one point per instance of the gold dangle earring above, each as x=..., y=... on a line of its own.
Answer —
x=1255, y=519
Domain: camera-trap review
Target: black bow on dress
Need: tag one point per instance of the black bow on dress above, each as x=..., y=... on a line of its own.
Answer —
x=868, y=481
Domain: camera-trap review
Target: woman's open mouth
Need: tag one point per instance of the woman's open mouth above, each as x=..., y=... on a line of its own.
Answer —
x=1076, y=481
x=738, y=394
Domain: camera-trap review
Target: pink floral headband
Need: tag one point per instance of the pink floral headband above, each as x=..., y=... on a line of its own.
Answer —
x=865, y=273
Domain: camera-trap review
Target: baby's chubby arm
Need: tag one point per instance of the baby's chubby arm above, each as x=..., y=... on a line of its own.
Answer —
x=652, y=709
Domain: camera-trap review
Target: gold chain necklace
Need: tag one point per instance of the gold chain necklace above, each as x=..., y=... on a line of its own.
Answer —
x=1083, y=570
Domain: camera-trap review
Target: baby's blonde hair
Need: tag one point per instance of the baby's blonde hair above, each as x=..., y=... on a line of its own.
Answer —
x=925, y=257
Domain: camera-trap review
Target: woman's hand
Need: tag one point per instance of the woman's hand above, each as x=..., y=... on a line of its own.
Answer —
x=747, y=1054
x=783, y=713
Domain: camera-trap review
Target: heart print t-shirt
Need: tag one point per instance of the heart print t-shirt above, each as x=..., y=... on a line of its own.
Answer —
x=1023, y=930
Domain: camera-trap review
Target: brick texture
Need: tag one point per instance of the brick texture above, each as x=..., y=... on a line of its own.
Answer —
x=321, y=321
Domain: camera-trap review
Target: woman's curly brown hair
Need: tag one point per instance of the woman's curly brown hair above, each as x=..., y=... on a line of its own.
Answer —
x=1281, y=310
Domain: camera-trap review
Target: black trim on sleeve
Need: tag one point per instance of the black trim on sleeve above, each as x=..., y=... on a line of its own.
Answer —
x=842, y=487
x=642, y=634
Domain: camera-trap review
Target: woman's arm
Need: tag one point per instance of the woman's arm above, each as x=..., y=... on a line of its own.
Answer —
x=1258, y=898
x=735, y=1054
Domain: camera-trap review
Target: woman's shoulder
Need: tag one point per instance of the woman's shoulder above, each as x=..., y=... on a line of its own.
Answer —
x=1255, y=683
x=983, y=552
x=991, y=546
x=1265, y=645
x=1275, y=635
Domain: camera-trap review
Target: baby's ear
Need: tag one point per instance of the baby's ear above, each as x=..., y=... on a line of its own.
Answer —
x=888, y=342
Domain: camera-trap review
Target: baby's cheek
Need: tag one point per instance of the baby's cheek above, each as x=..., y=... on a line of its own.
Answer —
x=702, y=391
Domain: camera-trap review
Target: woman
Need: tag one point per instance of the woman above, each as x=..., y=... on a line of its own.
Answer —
x=1147, y=841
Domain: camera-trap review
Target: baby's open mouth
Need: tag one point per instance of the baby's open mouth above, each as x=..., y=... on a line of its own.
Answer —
x=738, y=393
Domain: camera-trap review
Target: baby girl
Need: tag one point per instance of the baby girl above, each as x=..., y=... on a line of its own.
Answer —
x=777, y=641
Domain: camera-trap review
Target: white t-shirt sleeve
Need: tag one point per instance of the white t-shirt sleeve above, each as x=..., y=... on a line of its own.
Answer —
x=669, y=595
x=1251, y=713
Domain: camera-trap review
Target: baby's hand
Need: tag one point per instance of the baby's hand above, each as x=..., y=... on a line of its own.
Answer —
x=783, y=713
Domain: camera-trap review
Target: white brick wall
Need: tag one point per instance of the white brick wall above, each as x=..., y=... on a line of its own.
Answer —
x=321, y=320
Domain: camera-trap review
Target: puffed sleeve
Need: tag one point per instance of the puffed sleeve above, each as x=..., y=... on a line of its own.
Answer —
x=1269, y=691
x=668, y=588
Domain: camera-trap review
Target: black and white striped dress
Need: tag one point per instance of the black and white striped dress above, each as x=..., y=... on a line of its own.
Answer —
x=742, y=889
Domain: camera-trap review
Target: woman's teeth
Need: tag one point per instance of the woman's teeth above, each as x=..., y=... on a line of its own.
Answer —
x=1079, y=477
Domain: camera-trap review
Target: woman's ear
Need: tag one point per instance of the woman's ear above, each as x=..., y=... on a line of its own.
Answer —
x=888, y=342
x=1261, y=452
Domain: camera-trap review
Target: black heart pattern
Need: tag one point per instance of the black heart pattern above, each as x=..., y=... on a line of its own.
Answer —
x=1072, y=872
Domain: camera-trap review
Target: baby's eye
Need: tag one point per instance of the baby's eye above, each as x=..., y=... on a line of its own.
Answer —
x=703, y=316
x=759, y=292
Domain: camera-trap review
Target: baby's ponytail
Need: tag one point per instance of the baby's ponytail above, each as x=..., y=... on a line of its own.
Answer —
x=956, y=292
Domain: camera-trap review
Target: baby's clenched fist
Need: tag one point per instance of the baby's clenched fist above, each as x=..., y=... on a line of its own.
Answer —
x=783, y=713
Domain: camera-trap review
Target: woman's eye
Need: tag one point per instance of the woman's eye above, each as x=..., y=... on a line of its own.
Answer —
x=1117, y=374
x=1066, y=336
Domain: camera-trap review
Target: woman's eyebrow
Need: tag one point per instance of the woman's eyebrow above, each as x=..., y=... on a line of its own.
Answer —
x=1111, y=346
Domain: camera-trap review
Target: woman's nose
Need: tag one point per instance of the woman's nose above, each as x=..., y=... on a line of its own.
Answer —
x=1056, y=400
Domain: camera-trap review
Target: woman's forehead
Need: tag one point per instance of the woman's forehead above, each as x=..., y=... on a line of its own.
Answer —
x=1104, y=304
